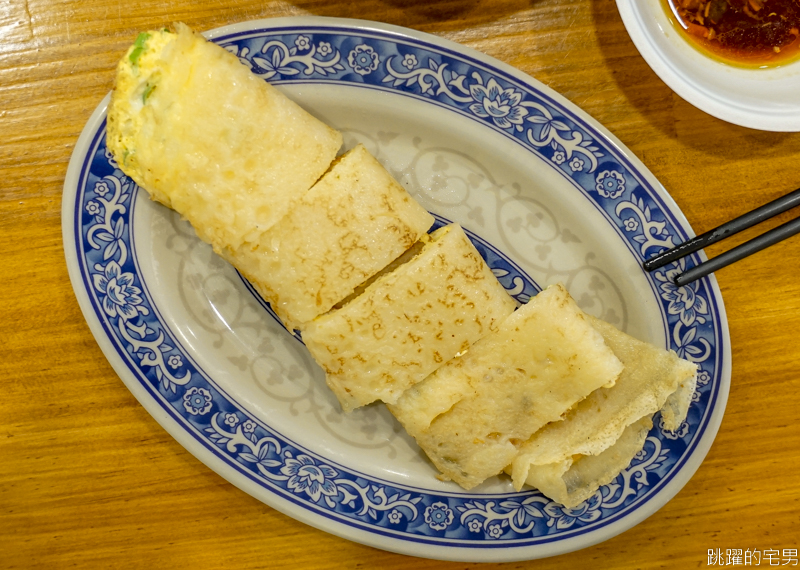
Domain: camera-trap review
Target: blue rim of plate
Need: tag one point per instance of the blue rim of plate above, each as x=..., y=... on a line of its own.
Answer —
x=99, y=205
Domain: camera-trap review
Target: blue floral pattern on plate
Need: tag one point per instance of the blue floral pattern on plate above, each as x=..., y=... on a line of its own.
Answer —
x=498, y=100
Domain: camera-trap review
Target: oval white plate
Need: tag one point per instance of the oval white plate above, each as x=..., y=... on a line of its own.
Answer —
x=545, y=193
x=763, y=99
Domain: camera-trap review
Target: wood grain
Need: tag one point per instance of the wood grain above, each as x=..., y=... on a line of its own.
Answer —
x=89, y=480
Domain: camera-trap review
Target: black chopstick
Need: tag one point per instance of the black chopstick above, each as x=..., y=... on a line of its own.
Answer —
x=748, y=248
x=743, y=222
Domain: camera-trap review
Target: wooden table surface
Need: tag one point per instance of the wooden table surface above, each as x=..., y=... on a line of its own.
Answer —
x=89, y=479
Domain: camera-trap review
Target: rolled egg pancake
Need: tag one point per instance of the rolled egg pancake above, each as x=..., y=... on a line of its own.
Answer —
x=577, y=478
x=472, y=414
x=409, y=321
x=205, y=136
x=353, y=223
x=649, y=379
